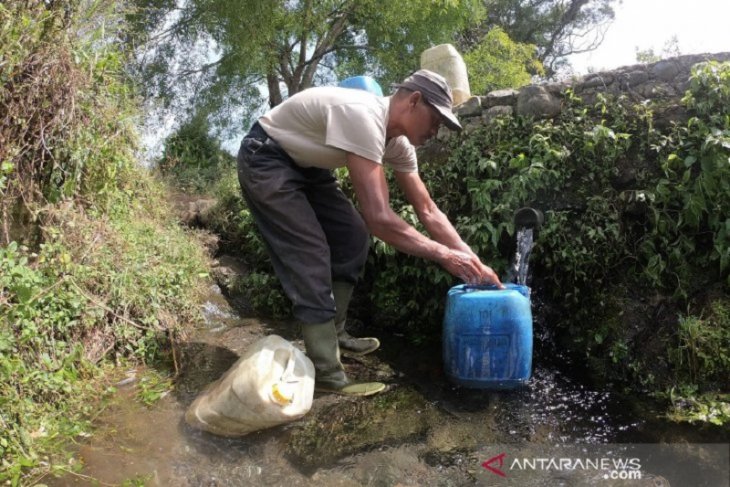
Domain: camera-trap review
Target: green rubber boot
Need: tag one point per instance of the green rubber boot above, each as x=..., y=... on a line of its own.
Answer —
x=342, y=292
x=320, y=340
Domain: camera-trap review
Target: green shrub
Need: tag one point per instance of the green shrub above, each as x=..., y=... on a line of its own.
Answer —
x=688, y=243
x=193, y=159
x=97, y=289
x=702, y=355
x=93, y=268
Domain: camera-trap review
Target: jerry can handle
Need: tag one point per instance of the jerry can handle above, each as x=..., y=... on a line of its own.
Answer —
x=286, y=375
x=480, y=287
x=522, y=289
x=281, y=392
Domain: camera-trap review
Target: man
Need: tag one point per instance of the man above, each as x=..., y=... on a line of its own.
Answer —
x=317, y=240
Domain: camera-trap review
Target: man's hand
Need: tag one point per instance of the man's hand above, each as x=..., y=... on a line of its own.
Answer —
x=489, y=276
x=469, y=268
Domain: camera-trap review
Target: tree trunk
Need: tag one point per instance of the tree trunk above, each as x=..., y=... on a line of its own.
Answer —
x=272, y=80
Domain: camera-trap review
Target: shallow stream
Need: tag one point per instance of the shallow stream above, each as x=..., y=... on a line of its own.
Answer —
x=421, y=431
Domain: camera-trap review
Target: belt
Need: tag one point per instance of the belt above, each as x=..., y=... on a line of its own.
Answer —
x=257, y=132
x=262, y=139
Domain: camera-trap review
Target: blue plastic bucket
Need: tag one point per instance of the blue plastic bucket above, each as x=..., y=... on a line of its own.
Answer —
x=362, y=83
x=487, y=336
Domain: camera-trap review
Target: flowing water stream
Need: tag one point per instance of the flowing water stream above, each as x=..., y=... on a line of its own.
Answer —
x=421, y=431
x=521, y=261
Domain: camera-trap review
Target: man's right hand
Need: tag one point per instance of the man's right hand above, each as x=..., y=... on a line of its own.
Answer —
x=469, y=268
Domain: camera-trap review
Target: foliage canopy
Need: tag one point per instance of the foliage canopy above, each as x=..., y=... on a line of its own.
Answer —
x=498, y=62
x=289, y=46
x=557, y=27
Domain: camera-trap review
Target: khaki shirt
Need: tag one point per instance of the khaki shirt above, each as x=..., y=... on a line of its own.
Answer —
x=317, y=127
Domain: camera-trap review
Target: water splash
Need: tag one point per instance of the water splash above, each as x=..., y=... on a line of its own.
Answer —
x=518, y=270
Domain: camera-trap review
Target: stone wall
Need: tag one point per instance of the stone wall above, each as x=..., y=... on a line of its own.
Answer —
x=663, y=83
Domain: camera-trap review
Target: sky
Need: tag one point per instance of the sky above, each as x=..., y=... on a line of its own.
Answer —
x=701, y=26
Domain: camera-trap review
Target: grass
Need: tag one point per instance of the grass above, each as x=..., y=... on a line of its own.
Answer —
x=94, y=269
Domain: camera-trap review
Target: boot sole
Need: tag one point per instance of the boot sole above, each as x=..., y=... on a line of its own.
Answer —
x=345, y=393
x=355, y=353
x=351, y=353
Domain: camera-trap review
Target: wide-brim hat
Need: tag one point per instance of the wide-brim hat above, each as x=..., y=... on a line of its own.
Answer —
x=436, y=92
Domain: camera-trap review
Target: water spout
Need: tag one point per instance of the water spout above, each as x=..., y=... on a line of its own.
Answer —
x=529, y=218
x=528, y=222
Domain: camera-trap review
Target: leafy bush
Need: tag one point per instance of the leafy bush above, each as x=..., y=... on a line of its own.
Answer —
x=499, y=62
x=702, y=355
x=93, y=267
x=193, y=159
x=96, y=289
x=688, y=244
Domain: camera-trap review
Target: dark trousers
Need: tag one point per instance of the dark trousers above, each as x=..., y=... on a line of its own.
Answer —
x=313, y=232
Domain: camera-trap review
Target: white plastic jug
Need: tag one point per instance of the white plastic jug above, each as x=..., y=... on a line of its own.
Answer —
x=445, y=60
x=271, y=384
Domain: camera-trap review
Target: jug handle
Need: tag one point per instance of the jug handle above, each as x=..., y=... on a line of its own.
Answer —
x=289, y=367
x=484, y=287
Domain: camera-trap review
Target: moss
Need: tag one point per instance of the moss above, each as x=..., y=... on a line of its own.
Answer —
x=347, y=427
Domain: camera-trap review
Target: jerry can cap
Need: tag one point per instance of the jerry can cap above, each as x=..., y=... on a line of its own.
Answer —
x=281, y=396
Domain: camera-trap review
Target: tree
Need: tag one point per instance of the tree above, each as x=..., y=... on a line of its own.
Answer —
x=671, y=49
x=498, y=62
x=557, y=27
x=285, y=46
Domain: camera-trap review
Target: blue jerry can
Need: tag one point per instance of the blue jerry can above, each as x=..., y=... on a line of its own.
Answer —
x=487, y=336
x=362, y=83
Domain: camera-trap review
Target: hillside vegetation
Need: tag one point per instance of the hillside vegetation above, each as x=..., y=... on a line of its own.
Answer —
x=94, y=270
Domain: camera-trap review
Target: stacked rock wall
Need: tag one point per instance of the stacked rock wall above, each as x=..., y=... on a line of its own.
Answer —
x=663, y=82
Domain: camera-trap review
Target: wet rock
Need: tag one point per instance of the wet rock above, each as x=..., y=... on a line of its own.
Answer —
x=601, y=80
x=666, y=70
x=455, y=436
x=197, y=213
x=226, y=269
x=209, y=240
x=349, y=426
x=656, y=90
x=635, y=78
x=231, y=265
x=556, y=88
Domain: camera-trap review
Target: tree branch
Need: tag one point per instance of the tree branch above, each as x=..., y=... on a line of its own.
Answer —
x=325, y=46
x=568, y=17
x=201, y=69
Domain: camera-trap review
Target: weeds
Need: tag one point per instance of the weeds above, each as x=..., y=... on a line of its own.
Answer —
x=93, y=268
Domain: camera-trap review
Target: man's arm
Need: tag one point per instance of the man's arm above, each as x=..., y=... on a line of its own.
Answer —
x=436, y=222
x=371, y=190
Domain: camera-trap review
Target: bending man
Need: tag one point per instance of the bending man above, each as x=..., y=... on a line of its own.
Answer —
x=317, y=240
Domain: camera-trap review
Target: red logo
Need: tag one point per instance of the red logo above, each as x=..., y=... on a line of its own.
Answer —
x=488, y=464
